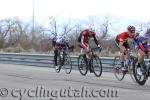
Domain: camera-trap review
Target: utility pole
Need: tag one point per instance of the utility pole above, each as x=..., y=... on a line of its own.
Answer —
x=33, y=17
x=33, y=26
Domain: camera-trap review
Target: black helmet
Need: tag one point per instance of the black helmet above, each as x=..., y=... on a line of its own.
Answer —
x=148, y=30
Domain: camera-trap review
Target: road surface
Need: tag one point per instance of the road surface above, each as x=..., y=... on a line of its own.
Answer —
x=19, y=82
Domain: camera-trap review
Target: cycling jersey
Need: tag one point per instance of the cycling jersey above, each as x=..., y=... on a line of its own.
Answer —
x=124, y=36
x=141, y=42
x=58, y=42
x=85, y=37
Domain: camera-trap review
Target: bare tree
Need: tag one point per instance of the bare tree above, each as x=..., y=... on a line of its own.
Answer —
x=67, y=27
x=18, y=33
x=106, y=25
x=5, y=26
x=53, y=25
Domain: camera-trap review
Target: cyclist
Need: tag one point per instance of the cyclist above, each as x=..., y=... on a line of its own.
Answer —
x=122, y=43
x=143, y=48
x=83, y=39
x=58, y=42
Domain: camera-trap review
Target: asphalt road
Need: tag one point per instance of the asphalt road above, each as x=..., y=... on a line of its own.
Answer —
x=19, y=82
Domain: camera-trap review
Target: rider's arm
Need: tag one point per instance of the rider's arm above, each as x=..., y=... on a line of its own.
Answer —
x=66, y=44
x=121, y=44
x=141, y=46
x=82, y=40
x=53, y=42
x=95, y=39
x=142, y=40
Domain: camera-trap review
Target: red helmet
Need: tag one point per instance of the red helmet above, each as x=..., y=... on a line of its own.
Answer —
x=131, y=29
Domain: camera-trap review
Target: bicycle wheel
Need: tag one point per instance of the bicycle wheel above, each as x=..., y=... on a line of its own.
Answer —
x=119, y=74
x=59, y=64
x=67, y=64
x=140, y=79
x=82, y=66
x=96, y=65
x=130, y=68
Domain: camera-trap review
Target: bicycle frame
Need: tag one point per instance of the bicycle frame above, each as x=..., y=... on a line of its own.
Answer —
x=92, y=51
x=64, y=60
x=63, y=51
x=88, y=63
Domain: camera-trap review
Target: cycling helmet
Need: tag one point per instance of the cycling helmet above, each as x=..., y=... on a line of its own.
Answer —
x=89, y=27
x=59, y=40
x=52, y=36
x=131, y=29
x=148, y=31
x=92, y=30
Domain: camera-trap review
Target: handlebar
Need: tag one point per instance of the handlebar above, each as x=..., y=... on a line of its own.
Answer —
x=96, y=49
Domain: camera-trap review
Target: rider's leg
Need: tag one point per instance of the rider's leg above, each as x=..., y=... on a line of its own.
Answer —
x=88, y=56
x=85, y=56
x=141, y=66
x=55, y=57
x=122, y=53
x=64, y=54
x=126, y=52
x=141, y=55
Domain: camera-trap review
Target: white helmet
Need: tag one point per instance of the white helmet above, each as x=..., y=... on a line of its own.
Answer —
x=147, y=34
x=85, y=26
x=90, y=28
x=52, y=36
x=59, y=40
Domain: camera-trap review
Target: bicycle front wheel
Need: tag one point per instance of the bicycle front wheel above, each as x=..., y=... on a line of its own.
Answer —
x=82, y=66
x=67, y=64
x=140, y=79
x=119, y=74
x=96, y=65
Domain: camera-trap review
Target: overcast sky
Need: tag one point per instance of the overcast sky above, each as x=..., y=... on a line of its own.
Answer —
x=80, y=9
x=137, y=9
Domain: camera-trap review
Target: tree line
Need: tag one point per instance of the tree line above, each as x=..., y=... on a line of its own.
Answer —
x=19, y=36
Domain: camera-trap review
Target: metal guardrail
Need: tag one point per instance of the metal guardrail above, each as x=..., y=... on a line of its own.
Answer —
x=43, y=60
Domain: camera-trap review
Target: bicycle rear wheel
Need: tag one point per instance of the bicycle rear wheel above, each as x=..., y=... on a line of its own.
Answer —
x=67, y=64
x=82, y=66
x=96, y=65
x=119, y=74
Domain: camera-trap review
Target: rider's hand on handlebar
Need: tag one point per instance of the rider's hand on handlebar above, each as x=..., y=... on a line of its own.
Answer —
x=87, y=49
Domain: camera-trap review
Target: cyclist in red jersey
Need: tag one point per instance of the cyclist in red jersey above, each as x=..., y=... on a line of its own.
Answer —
x=84, y=38
x=121, y=40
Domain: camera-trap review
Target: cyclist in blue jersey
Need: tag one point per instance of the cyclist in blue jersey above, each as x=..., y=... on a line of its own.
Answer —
x=143, y=48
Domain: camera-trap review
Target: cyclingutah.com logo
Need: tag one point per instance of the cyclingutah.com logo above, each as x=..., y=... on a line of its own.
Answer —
x=69, y=92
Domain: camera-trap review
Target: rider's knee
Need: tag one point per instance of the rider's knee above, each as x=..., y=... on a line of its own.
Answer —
x=141, y=53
